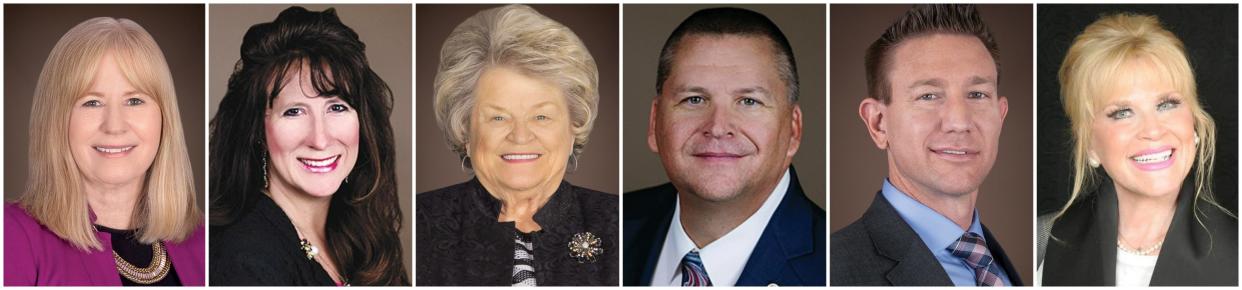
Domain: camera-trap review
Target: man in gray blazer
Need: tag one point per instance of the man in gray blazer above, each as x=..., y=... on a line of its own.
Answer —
x=933, y=107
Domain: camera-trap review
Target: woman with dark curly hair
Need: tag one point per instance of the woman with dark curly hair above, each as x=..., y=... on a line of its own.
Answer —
x=303, y=179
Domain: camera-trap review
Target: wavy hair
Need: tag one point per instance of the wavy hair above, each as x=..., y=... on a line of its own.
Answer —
x=364, y=217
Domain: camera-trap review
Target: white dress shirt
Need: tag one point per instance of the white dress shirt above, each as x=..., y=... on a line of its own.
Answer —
x=725, y=258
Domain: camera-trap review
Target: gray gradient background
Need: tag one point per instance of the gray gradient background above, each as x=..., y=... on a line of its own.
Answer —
x=385, y=29
x=30, y=32
x=858, y=167
x=596, y=25
x=648, y=26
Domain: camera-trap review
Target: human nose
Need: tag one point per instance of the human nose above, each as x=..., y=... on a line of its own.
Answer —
x=520, y=133
x=114, y=120
x=719, y=123
x=955, y=116
x=1151, y=128
x=318, y=138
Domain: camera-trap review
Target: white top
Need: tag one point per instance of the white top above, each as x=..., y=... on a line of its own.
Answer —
x=725, y=258
x=1134, y=270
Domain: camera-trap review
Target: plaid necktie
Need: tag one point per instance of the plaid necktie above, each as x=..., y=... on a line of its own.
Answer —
x=971, y=248
x=692, y=271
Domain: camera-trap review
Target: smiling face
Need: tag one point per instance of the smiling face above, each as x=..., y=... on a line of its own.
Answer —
x=520, y=132
x=942, y=124
x=114, y=129
x=312, y=140
x=723, y=125
x=1143, y=133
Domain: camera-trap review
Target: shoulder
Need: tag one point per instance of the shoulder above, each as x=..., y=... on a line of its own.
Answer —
x=22, y=228
x=249, y=239
x=1221, y=222
x=443, y=200
x=596, y=203
x=651, y=202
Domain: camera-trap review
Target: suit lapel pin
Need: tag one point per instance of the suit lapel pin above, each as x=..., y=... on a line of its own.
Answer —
x=585, y=247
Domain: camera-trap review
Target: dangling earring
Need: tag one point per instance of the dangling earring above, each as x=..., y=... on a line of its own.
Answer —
x=265, y=170
x=463, y=163
x=573, y=158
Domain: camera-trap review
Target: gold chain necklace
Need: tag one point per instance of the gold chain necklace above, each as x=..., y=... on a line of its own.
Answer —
x=150, y=274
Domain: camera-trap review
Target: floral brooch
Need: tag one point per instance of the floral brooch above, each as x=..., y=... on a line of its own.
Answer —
x=585, y=247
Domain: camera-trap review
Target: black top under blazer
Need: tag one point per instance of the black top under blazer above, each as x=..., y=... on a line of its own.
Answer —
x=461, y=243
x=262, y=249
x=881, y=249
x=1083, y=247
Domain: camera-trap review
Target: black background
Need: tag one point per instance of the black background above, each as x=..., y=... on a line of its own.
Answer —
x=1209, y=33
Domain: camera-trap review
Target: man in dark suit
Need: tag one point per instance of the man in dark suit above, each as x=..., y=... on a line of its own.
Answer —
x=933, y=106
x=726, y=125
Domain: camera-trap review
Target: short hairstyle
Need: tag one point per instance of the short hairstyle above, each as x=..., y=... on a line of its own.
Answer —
x=922, y=20
x=167, y=209
x=364, y=217
x=1089, y=70
x=518, y=37
x=732, y=21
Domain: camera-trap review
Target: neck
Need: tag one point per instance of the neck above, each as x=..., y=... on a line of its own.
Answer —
x=1143, y=220
x=113, y=204
x=308, y=213
x=520, y=205
x=959, y=208
x=705, y=221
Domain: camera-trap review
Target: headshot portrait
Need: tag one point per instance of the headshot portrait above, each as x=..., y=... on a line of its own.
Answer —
x=1138, y=145
x=102, y=172
x=309, y=151
x=724, y=146
x=931, y=153
x=524, y=101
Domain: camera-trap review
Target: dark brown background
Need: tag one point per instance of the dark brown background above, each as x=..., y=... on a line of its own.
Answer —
x=596, y=25
x=859, y=168
x=30, y=32
x=385, y=29
x=648, y=26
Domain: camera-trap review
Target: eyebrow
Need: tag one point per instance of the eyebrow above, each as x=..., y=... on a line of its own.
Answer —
x=99, y=94
x=927, y=82
x=741, y=91
x=506, y=109
x=978, y=80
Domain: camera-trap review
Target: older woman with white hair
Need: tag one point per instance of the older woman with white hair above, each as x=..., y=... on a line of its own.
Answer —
x=516, y=96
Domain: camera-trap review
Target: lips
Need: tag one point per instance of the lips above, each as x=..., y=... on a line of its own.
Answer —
x=322, y=165
x=954, y=153
x=114, y=150
x=1154, y=159
x=520, y=157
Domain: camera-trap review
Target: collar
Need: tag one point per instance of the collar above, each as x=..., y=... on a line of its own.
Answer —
x=558, y=212
x=937, y=231
x=723, y=259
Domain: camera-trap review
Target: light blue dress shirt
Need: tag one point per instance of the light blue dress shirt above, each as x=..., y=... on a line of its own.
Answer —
x=938, y=233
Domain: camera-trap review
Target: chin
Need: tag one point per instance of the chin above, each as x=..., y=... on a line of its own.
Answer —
x=715, y=189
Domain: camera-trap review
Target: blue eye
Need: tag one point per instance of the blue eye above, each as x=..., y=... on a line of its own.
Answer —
x=977, y=95
x=337, y=108
x=1121, y=114
x=92, y=103
x=293, y=112
x=928, y=97
x=542, y=117
x=1168, y=105
x=134, y=102
x=750, y=102
x=695, y=100
x=498, y=118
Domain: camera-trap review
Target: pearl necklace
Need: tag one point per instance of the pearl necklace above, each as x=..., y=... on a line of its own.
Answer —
x=1139, y=251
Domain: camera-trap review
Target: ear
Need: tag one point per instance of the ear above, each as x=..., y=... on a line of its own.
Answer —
x=873, y=113
x=795, y=138
x=1004, y=108
x=651, y=123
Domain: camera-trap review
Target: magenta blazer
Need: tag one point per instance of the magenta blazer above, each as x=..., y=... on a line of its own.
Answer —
x=34, y=256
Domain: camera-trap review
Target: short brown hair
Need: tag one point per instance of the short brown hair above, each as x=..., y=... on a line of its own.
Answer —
x=920, y=20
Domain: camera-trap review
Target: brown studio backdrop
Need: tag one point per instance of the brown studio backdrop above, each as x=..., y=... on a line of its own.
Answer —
x=385, y=29
x=858, y=167
x=647, y=28
x=32, y=30
x=596, y=25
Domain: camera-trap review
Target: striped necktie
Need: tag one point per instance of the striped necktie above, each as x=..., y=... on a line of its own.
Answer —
x=971, y=248
x=692, y=271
